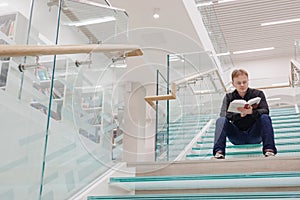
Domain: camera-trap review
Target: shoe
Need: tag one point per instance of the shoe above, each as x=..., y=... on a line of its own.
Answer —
x=219, y=155
x=269, y=154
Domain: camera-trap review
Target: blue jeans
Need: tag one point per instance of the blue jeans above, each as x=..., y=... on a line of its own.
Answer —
x=260, y=131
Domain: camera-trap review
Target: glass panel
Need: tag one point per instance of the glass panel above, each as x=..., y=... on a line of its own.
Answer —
x=80, y=145
x=198, y=97
x=162, y=130
x=24, y=107
x=83, y=120
x=23, y=129
x=297, y=50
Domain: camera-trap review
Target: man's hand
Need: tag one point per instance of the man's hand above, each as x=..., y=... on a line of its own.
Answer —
x=245, y=111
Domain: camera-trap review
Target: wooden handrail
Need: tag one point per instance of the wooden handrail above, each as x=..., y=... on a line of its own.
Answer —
x=38, y=50
x=150, y=99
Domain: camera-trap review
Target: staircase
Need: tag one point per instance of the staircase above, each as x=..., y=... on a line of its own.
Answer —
x=245, y=173
x=286, y=124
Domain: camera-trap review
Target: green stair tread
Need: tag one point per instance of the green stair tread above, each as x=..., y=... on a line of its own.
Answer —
x=255, y=175
x=249, y=152
x=229, y=195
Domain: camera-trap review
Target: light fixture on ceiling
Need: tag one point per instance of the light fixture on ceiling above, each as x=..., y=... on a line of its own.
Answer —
x=280, y=84
x=211, y=2
x=273, y=99
x=225, y=1
x=204, y=4
x=3, y=4
x=223, y=54
x=253, y=50
x=119, y=62
x=156, y=13
x=91, y=21
x=280, y=22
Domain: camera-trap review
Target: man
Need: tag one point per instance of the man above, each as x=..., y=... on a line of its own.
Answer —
x=252, y=126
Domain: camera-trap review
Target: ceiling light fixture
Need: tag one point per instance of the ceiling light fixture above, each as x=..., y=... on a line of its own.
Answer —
x=208, y=3
x=253, y=50
x=280, y=84
x=91, y=21
x=223, y=54
x=280, y=22
x=225, y=1
x=274, y=99
x=156, y=13
x=204, y=4
x=3, y=4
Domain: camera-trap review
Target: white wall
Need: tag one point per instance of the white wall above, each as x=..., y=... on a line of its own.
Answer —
x=269, y=73
x=271, y=68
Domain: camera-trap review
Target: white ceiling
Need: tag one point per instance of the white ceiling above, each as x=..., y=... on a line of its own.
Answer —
x=173, y=28
x=239, y=21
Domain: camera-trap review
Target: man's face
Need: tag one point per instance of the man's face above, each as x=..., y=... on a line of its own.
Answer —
x=240, y=83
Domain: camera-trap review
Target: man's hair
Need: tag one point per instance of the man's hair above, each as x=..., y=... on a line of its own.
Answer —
x=238, y=72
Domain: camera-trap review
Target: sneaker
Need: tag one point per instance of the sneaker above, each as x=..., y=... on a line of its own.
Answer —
x=269, y=154
x=219, y=155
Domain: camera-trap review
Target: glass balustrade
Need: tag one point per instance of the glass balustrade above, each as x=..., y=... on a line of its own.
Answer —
x=297, y=50
x=162, y=120
x=61, y=130
x=198, y=99
x=64, y=117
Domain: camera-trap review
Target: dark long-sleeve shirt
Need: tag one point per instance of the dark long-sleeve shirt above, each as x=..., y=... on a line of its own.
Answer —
x=244, y=123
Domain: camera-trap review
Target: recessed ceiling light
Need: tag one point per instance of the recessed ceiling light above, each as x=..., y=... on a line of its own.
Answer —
x=280, y=22
x=253, y=50
x=156, y=13
x=155, y=16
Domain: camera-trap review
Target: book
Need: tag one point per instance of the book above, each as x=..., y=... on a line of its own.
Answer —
x=235, y=104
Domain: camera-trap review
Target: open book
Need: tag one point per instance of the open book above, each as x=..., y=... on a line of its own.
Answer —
x=242, y=103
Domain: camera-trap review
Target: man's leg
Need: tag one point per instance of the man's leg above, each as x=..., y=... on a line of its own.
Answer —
x=224, y=128
x=263, y=130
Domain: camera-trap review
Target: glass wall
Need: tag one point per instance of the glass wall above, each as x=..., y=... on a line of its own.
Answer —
x=58, y=120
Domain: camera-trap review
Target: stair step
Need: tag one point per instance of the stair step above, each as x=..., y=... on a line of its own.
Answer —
x=247, y=146
x=195, y=181
x=248, y=153
x=217, y=196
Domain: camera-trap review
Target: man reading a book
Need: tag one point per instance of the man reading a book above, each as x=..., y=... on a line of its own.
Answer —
x=248, y=124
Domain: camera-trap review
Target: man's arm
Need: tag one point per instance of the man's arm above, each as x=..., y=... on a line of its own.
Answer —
x=262, y=107
x=255, y=111
x=224, y=113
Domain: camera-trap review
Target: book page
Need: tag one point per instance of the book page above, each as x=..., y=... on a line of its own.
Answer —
x=241, y=103
x=254, y=100
x=236, y=104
